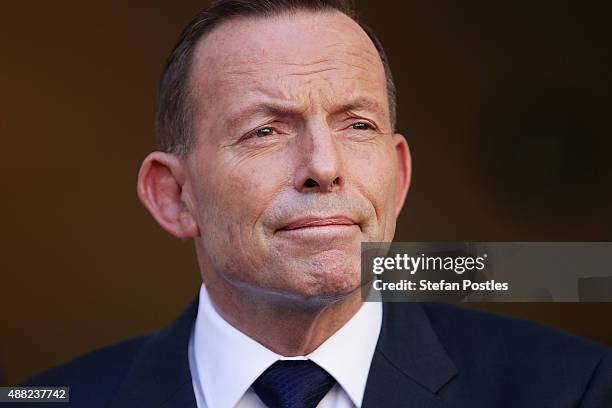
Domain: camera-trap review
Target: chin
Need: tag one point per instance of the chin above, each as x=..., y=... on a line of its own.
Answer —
x=328, y=284
x=327, y=276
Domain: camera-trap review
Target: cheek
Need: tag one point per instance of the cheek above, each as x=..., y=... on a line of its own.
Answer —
x=235, y=193
x=371, y=168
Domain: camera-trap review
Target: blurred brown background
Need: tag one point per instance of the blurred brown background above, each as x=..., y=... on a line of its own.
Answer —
x=506, y=106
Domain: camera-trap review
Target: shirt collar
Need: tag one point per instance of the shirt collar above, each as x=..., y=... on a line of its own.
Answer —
x=347, y=354
x=228, y=361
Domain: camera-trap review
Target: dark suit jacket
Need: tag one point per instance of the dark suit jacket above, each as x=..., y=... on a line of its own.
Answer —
x=428, y=355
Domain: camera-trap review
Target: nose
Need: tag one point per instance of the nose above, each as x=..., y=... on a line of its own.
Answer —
x=320, y=161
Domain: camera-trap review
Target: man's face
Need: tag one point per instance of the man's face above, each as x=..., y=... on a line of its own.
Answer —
x=295, y=162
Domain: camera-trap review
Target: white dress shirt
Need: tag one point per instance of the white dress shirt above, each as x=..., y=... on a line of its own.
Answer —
x=224, y=362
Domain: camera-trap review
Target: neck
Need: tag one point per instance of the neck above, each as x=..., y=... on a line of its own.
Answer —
x=284, y=325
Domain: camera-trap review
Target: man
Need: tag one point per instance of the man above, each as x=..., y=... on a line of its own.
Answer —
x=278, y=157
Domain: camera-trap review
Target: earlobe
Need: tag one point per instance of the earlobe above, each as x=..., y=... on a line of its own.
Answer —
x=160, y=184
x=404, y=163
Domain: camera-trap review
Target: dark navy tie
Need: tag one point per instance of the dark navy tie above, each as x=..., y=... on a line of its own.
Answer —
x=293, y=384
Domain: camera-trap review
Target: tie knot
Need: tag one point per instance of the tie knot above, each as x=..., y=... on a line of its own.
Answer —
x=293, y=384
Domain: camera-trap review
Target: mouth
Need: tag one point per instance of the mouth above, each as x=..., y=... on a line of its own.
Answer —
x=317, y=222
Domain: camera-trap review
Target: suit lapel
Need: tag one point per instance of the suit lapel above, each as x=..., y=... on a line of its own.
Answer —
x=409, y=365
x=160, y=376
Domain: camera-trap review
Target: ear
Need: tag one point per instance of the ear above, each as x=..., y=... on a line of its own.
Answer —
x=161, y=180
x=404, y=163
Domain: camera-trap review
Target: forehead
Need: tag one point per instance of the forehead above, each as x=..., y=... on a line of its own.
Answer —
x=286, y=55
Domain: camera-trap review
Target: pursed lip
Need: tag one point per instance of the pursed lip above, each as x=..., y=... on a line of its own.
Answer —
x=311, y=222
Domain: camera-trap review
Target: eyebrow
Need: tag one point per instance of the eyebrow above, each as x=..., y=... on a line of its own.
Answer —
x=286, y=109
x=263, y=109
x=360, y=104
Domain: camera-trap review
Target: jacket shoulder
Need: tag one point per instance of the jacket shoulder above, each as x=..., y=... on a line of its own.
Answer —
x=93, y=377
x=489, y=330
x=520, y=357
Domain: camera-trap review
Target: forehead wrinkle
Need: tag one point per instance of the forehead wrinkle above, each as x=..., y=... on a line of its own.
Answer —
x=297, y=97
x=361, y=56
x=355, y=50
x=311, y=73
x=252, y=64
x=314, y=72
x=281, y=85
x=335, y=51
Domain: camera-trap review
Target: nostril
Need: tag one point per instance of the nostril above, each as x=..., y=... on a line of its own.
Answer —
x=310, y=183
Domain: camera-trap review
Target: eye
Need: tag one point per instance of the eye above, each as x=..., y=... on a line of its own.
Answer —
x=262, y=132
x=362, y=126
